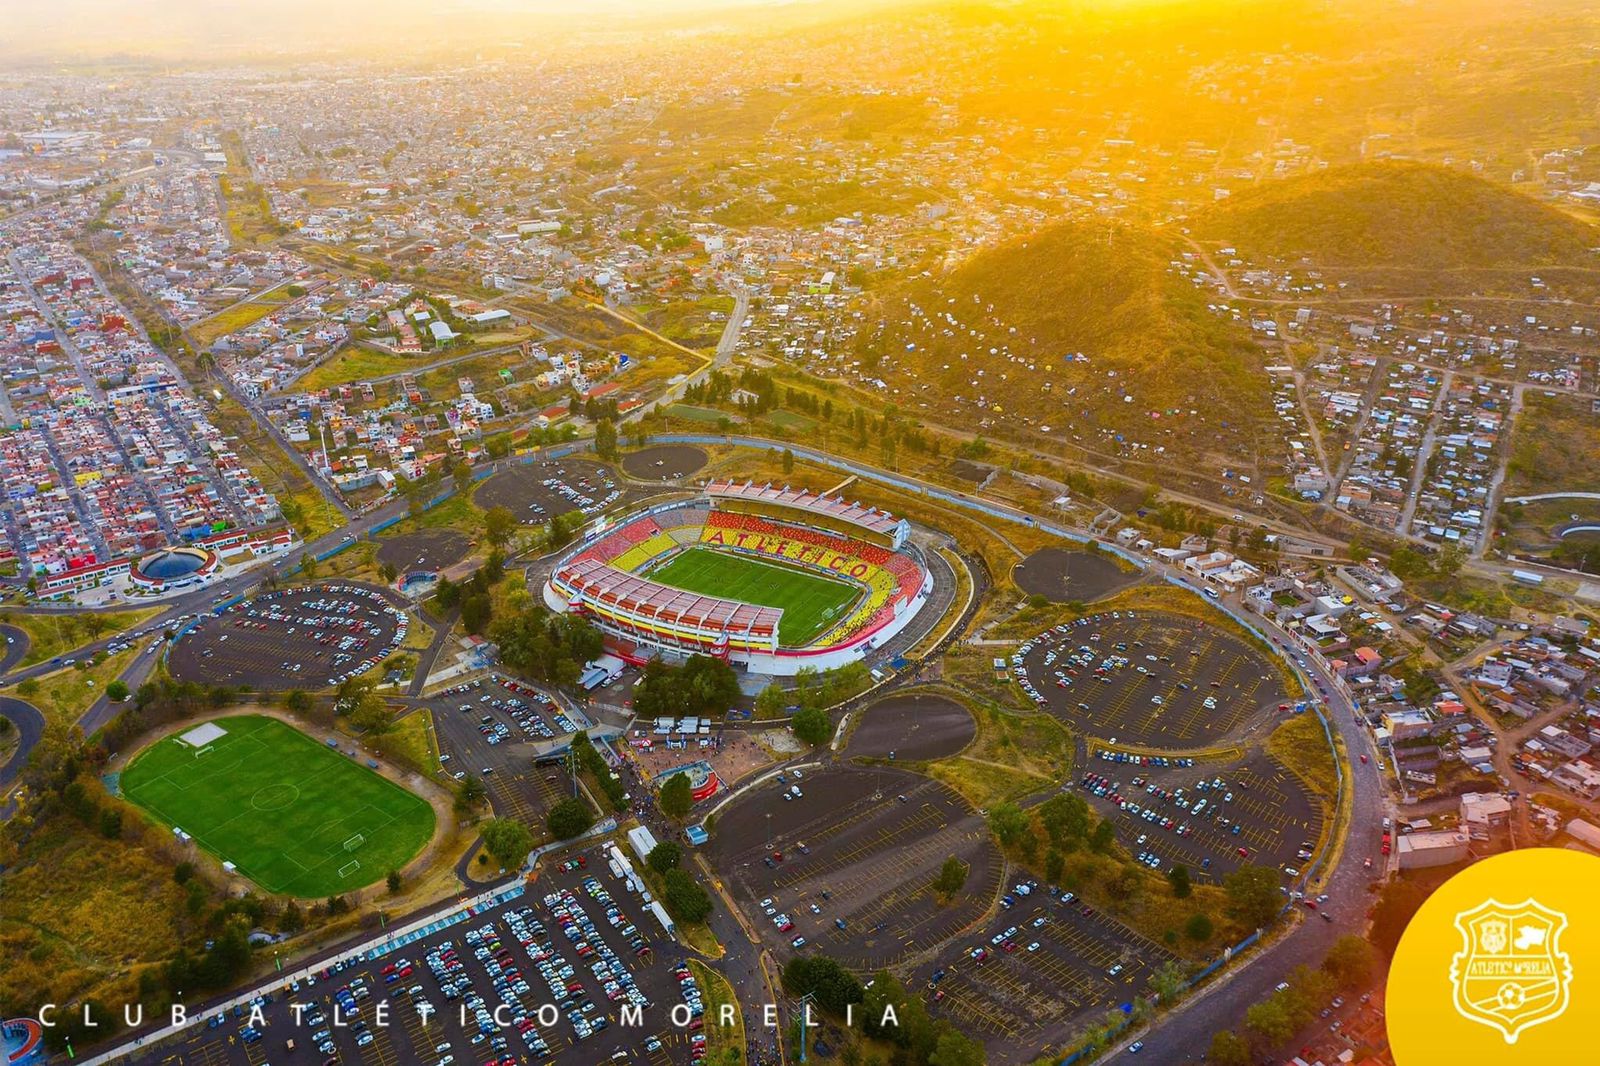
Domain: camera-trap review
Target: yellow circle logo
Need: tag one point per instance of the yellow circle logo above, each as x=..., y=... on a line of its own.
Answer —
x=1501, y=965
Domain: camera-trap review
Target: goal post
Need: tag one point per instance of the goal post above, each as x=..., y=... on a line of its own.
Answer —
x=349, y=868
x=207, y=750
x=354, y=842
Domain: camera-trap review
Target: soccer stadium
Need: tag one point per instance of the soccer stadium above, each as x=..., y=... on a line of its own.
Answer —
x=771, y=579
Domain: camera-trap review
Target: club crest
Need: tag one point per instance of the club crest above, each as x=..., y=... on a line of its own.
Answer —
x=1510, y=973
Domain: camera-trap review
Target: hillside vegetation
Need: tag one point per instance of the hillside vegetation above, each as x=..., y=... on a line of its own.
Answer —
x=1413, y=218
x=1083, y=327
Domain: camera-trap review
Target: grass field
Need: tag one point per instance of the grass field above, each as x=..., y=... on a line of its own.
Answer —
x=811, y=603
x=281, y=807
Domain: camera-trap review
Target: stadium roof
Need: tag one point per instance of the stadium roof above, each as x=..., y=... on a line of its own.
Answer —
x=651, y=600
x=869, y=518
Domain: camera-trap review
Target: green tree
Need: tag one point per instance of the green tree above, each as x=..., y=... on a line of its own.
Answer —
x=676, y=797
x=569, y=818
x=683, y=897
x=605, y=438
x=665, y=856
x=954, y=1048
x=498, y=525
x=507, y=841
x=1351, y=961
x=1008, y=822
x=788, y=461
x=1103, y=836
x=1198, y=928
x=1178, y=877
x=393, y=881
x=471, y=793
x=298, y=701
x=1253, y=894
x=771, y=701
x=832, y=986
x=117, y=691
x=812, y=726
x=1228, y=1048
x=308, y=565
x=1269, y=1022
x=952, y=877
x=389, y=572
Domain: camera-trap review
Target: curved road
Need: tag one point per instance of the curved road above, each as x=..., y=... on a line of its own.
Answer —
x=29, y=723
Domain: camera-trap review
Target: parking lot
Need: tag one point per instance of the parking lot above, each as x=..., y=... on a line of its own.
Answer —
x=424, y=549
x=664, y=462
x=494, y=727
x=1062, y=575
x=1156, y=680
x=541, y=977
x=308, y=637
x=1039, y=970
x=850, y=862
x=536, y=492
x=1203, y=816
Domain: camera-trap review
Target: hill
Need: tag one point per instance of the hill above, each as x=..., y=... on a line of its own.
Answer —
x=1379, y=221
x=1082, y=327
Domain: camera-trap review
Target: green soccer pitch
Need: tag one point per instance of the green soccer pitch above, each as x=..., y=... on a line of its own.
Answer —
x=294, y=816
x=811, y=603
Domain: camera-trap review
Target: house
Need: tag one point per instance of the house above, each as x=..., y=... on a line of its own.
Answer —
x=1486, y=809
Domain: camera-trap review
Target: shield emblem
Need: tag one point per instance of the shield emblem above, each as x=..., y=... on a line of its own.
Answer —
x=1511, y=972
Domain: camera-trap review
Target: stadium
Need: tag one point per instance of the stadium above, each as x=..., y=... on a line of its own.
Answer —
x=770, y=579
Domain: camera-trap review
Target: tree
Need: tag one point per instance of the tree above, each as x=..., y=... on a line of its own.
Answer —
x=498, y=525
x=665, y=856
x=831, y=985
x=676, y=798
x=117, y=691
x=1178, y=877
x=1198, y=928
x=771, y=701
x=389, y=572
x=954, y=1048
x=683, y=897
x=1103, y=837
x=308, y=565
x=1055, y=864
x=471, y=794
x=812, y=726
x=1008, y=822
x=1270, y=1022
x=393, y=882
x=462, y=476
x=569, y=818
x=1253, y=894
x=1228, y=1048
x=508, y=841
x=605, y=438
x=298, y=701
x=1065, y=817
x=952, y=877
x=788, y=461
x=1351, y=961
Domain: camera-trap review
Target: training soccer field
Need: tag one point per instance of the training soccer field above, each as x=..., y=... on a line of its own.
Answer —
x=283, y=808
x=811, y=603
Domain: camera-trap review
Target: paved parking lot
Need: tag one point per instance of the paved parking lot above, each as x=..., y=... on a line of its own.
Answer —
x=504, y=751
x=1038, y=971
x=551, y=970
x=536, y=492
x=308, y=637
x=1148, y=679
x=851, y=863
x=1201, y=816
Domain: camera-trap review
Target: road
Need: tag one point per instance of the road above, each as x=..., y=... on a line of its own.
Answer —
x=723, y=355
x=1185, y=1034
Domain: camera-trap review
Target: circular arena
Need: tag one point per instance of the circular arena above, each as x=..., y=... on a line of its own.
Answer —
x=308, y=637
x=173, y=568
x=773, y=580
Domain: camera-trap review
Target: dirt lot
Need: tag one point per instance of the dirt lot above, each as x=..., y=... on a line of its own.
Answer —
x=296, y=638
x=913, y=727
x=1146, y=677
x=852, y=861
x=1062, y=575
x=575, y=484
x=426, y=549
x=1251, y=803
x=664, y=462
